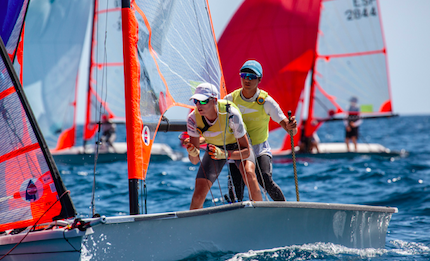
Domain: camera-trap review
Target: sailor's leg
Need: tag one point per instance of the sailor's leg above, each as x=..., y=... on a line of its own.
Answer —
x=265, y=178
x=247, y=168
x=206, y=175
x=354, y=140
x=237, y=182
x=200, y=191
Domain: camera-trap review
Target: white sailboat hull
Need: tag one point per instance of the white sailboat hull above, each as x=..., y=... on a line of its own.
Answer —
x=238, y=227
x=79, y=156
x=339, y=149
x=55, y=244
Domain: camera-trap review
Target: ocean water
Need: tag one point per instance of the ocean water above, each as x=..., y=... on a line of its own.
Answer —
x=402, y=182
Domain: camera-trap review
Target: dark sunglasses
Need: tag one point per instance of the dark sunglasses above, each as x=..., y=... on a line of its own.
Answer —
x=201, y=102
x=248, y=76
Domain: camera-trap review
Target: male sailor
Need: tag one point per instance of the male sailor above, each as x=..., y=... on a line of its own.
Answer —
x=257, y=107
x=209, y=119
x=352, y=123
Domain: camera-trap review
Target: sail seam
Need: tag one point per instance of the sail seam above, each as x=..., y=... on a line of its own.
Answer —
x=18, y=152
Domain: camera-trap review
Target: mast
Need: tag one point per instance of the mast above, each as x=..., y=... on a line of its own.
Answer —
x=311, y=94
x=90, y=68
x=134, y=125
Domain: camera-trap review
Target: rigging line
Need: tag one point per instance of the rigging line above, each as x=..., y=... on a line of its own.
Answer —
x=67, y=240
x=99, y=113
x=257, y=166
x=34, y=226
x=145, y=191
x=225, y=148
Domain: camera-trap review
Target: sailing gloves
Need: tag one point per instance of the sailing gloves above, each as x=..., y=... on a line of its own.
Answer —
x=192, y=150
x=217, y=153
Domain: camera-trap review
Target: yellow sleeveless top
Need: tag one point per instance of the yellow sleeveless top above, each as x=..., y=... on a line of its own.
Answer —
x=254, y=116
x=216, y=133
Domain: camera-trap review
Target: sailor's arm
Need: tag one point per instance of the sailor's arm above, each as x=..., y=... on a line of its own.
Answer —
x=275, y=112
x=289, y=125
x=193, y=145
x=193, y=150
x=244, y=152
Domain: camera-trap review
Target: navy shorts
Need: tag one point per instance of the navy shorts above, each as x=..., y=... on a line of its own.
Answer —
x=352, y=133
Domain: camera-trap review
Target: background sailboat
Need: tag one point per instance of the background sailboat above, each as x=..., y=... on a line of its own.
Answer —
x=57, y=42
x=338, y=44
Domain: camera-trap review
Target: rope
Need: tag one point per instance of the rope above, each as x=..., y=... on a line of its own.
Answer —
x=103, y=93
x=257, y=165
x=241, y=159
x=34, y=226
x=294, y=160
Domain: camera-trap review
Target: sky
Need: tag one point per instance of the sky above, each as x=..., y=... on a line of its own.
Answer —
x=407, y=36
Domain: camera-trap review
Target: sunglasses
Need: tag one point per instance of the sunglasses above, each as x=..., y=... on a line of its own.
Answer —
x=201, y=102
x=248, y=76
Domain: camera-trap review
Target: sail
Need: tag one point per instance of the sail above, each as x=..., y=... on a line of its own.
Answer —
x=169, y=48
x=106, y=84
x=281, y=35
x=351, y=62
x=30, y=181
x=12, y=13
x=54, y=39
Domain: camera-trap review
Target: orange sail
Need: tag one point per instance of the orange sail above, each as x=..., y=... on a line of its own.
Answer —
x=31, y=191
x=163, y=66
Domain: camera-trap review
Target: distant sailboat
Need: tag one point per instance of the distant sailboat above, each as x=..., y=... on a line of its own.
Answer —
x=338, y=43
x=56, y=42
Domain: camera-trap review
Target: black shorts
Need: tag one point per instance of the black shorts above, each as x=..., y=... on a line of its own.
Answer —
x=210, y=168
x=352, y=133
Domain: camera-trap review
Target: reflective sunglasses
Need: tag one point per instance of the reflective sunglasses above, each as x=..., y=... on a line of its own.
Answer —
x=248, y=76
x=201, y=102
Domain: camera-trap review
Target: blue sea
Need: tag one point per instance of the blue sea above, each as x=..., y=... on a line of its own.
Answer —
x=402, y=182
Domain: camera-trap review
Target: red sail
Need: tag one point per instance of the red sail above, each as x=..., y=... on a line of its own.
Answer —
x=282, y=36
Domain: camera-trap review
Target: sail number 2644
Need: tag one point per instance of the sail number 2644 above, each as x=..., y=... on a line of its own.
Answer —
x=362, y=9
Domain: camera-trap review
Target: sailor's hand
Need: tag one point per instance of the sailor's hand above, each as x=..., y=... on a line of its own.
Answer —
x=192, y=150
x=185, y=141
x=292, y=124
x=216, y=153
